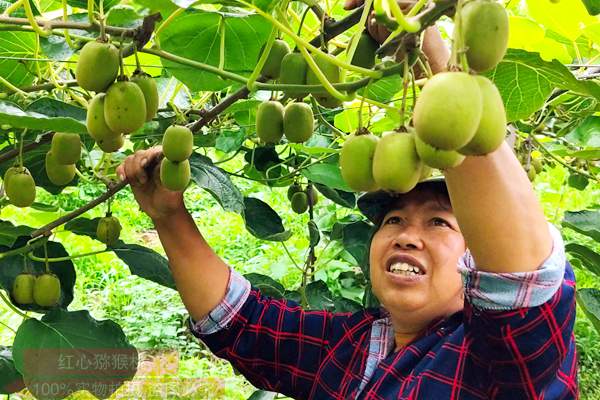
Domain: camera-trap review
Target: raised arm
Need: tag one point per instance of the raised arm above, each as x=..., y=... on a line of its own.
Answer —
x=200, y=275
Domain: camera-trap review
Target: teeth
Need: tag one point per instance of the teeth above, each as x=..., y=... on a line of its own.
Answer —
x=405, y=269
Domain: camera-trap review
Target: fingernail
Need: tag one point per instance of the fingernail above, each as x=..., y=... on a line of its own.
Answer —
x=144, y=162
x=121, y=177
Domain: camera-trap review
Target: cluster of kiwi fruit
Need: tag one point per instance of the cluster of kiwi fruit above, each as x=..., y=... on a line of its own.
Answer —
x=65, y=151
x=301, y=198
x=295, y=121
x=121, y=105
x=42, y=290
x=456, y=114
x=177, y=145
x=290, y=68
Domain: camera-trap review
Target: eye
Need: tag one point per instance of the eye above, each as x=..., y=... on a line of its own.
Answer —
x=392, y=220
x=442, y=221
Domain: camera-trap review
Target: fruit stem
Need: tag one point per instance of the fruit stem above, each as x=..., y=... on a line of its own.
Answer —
x=262, y=59
x=319, y=53
x=416, y=8
x=321, y=76
x=30, y=17
x=90, y=11
x=66, y=258
x=138, y=67
x=65, y=19
x=13, y=87
x=458, y=55
x=222, y=42
x=46, y=264
x=31, y=245
x=21, y=141
x=13, y=308
x=12, y=8
x=301, y=24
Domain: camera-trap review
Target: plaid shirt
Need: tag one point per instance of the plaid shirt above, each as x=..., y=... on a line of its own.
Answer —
x=513, y=340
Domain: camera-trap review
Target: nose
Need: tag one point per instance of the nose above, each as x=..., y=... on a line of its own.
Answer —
x=408, y=238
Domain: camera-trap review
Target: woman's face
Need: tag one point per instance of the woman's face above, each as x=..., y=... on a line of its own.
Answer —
x=413, y=259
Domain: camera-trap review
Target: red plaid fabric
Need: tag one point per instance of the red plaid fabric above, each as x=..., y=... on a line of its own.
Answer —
x=523, y=353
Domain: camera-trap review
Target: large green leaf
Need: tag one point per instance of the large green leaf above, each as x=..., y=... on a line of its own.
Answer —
x=267, y=285
x=326, y=174
x=589, y=258
x=384, y=89
x=9, y=233
x=15, y=46
x=587, y=133
x=195, y=35
x=12, y=266
x=44, y=114
x=356, y=238
x=586, y=222
x=70, y=351
x=319, y=297
x=263, y=222
x=589, y=301
x=345, y=199
x=142, y=261
x=57, y=48
x=565, y=16
x=592, y=6
x=525, y=81
x=211, y=178
x=11, y=380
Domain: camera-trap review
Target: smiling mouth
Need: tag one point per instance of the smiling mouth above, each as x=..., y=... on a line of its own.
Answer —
x=405, y=269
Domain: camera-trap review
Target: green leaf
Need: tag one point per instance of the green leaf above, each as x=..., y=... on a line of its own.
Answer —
x=263, y=222
x=230, y=140
x=342, y=304
x=142, y=261
x=11, y=380
x=123, y=15
x=326, y=174
x=578, y=181
x=313, y=233
x=525, y=81
x=589, y=258
x=356, y=238
x=10, y=233
x=267, y=285
x=195, y=35
x=319, y=297
x=83, y=4
x=384, y=89
x=589, y=301
x=584, y=222
x=13, y=47
x=211, y=178
x=592, y=6
x=12, y=266
x=70, y=351
x=345, y=199
x=262, y=395
x=56, y=47
x=44, y=114
x=145, y=263
x=586, y=133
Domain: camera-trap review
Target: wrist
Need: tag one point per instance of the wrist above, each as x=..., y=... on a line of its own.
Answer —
x=171, y=219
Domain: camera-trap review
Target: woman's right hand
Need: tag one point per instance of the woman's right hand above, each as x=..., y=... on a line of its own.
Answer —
x=142, y=171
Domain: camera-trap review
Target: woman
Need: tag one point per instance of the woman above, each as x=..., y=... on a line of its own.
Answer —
x=477, y=296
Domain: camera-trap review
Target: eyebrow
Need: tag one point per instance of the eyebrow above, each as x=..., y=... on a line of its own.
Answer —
x=432, y=205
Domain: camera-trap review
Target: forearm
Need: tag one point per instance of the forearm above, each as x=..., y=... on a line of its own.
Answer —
x=435, y=49
x=498, y=212
x=200, y=275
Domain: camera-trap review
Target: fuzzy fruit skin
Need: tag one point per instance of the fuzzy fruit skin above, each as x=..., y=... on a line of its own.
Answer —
x=356, y=162
x=178, y=142
x=10, y=172
x=364, y=55
x=425, y=172
x=269, y=121
x=294, y=188
x=448, y=111
x=111, y=143
x=124, y=107
x=97, y=67
x=108, y=230
x=66, y=148
x=148, y=86
x=314, y=195
x=273, y=64
x=333, y=74
x=298, y=122
x=22, y=290
x=20, y=189
x=435, y=158
x=175, y=176
x=293, y=72
x=299, y=202
x=492, y=126
x=537, y=165
x=59, y=174
x=531, y=173
x=46, y=290
x=95, y=122
x=396, y=164
x=485, y=33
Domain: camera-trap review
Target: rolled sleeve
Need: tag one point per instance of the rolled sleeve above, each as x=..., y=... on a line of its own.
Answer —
x=511, y=291
x=238, y=289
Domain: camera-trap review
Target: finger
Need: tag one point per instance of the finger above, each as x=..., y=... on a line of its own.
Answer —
x=140, y=160
x=121, y=172
x=151, y=157
x=131, y=170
